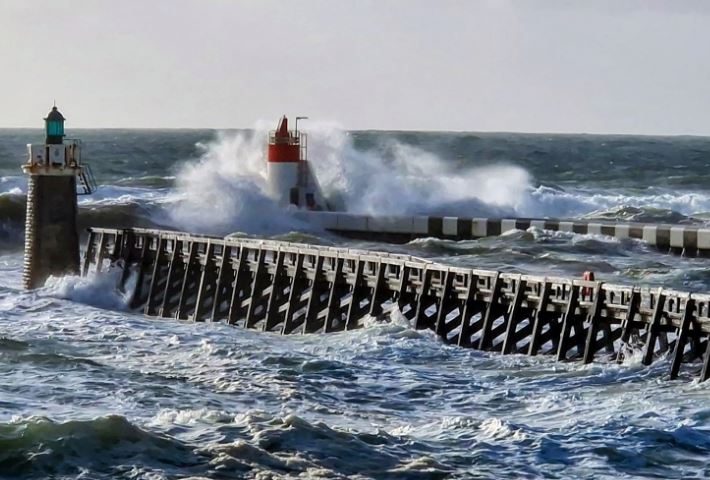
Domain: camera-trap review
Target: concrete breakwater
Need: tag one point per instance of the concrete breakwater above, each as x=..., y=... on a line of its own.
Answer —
x=295, y=288
x=690, y=240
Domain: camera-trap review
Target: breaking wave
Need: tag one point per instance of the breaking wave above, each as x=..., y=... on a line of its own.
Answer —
x=256, y=444
x=91, y=393
x=395, y=178
x=100, y=290
x=221, y=188
x=224, y=189
x=111, y=446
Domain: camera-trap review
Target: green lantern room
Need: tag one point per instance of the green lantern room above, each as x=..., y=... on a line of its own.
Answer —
x=54, y=127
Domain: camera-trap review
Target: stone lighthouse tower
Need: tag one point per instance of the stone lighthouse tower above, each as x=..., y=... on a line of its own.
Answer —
x=51, y=236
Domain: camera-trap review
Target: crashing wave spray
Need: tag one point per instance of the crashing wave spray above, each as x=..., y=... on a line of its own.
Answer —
x=408, y=180
x=97, y=289
x=226, y=188
x=397, y=178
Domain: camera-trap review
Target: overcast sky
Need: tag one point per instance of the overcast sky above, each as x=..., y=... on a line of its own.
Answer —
x=620, y=66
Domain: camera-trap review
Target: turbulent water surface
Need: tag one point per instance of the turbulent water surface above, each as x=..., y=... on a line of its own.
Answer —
x=89, y=389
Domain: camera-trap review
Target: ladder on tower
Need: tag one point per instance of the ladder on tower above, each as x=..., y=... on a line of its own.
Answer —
x=87, y=182
x=303, y=157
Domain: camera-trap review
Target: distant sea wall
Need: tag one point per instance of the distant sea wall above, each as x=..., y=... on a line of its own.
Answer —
x=690, y=240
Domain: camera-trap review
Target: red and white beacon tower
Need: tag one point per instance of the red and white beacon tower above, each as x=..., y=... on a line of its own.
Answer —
x=289, y=176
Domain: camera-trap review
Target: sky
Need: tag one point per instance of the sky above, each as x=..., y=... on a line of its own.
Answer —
x=602, y=66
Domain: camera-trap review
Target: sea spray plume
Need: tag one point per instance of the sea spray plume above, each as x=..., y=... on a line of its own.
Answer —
x=225, y=189
x=392, y=177
x=395, y=178
x=97, y=289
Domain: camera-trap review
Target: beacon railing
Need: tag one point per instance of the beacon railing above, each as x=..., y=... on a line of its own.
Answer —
x=293, y=138
x=63, y=155
x=296, y=288
x=303, y=163
x=61, y=159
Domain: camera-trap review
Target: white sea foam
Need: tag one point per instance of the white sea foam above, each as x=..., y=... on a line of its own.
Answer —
x=544, y=201
x=97, y=289
x=384, y=401
x=113, y=194
x=171, y=416
x=13, y=185
x=495, y=428
x=409, y=179
x=224, y=189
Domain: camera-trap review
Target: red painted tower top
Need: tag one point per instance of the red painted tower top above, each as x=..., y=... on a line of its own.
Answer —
x=284, y=145
x=282, y=129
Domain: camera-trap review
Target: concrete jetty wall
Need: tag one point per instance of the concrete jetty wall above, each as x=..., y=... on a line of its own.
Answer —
x=292, y=288
x=690, y=240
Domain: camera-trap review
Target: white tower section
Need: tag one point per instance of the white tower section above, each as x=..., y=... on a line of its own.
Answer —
x=289, y=177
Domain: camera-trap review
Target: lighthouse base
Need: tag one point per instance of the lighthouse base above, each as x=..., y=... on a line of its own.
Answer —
x=51, y=237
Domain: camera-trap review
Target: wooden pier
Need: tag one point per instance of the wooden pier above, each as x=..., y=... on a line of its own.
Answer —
x=295, y=288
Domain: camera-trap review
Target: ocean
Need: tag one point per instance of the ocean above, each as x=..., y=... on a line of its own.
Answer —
x=91, y=390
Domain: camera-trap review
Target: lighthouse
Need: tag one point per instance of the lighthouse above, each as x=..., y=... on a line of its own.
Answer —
x=54, y=169
x=290, y=179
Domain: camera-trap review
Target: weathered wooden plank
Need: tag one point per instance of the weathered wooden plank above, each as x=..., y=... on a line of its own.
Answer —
x=378, y=292
x=278, y=284
x=359, y=295
x=568, y=322
x=334, y=297
x=206, y=281
x=175, y=268
x=539, y=318
x=628, y=324
x=318, y=288
x=256, y=289
x=89, y=254
x=491, y=314
x=653, y=329
x=136, y=297
x=101, y=252
x=467, y=311
x=298, y=283
x=188, y=275
x=423, y=301
x=514, y=317
x=155, y=278
x=336, y=287
x=447, y=302
x=223, y=278
x=683, y=331
x=594, y=318
x=240, y=272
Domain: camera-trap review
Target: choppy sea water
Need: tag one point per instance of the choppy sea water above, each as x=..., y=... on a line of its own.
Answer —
x=91, y=390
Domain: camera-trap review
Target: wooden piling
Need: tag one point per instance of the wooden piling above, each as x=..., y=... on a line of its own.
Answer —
x=295, y=288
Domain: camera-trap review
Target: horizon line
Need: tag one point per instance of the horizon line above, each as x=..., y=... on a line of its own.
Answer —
x=383, y=130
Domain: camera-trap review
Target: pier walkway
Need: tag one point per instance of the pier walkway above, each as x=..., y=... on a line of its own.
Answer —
x=292, y=288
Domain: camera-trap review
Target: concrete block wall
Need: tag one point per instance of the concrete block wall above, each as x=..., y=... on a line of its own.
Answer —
x=688, y=239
